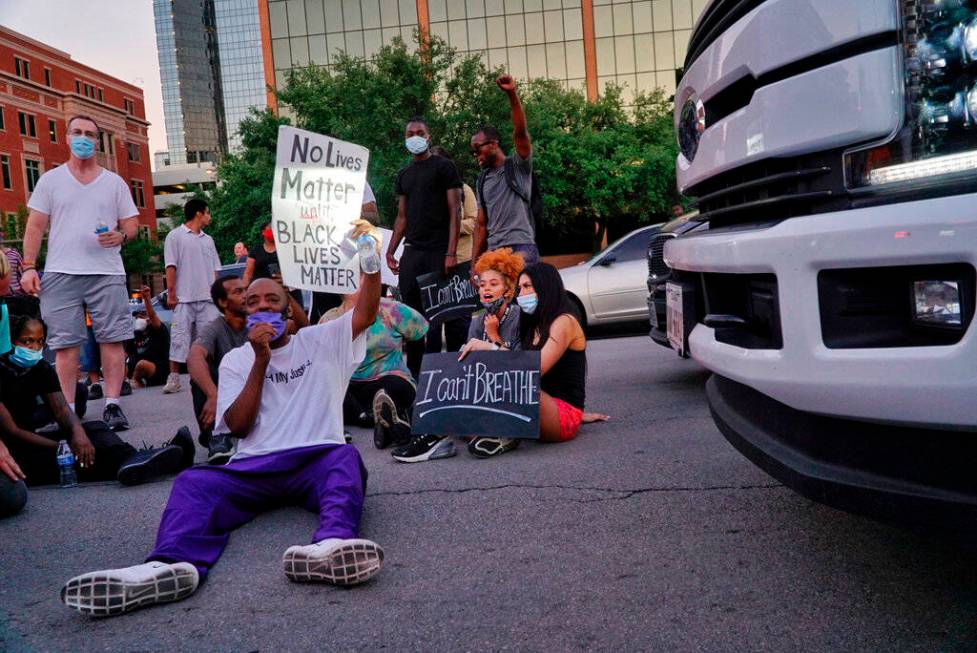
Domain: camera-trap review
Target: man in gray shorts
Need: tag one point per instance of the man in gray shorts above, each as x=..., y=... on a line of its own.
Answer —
x=191, y=266
x=91, y=214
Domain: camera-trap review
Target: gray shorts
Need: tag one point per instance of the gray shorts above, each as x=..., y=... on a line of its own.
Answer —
x=188, y=319
x=64, y=298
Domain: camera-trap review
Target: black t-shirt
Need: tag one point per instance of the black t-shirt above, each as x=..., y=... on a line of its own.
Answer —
x=22, y=390
x=152, y=345
x=425, y=186
x=262, y=260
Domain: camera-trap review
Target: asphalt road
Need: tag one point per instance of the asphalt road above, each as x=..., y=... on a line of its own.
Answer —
x=646, y=533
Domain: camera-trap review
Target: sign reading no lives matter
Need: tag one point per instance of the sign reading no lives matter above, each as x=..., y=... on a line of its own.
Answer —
x=493, y=393
x=318, y=192
x=448, y=297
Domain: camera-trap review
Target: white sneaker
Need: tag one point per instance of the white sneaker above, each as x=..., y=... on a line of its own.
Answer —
x=172, y=384
x=341, y=562
x=116, y=591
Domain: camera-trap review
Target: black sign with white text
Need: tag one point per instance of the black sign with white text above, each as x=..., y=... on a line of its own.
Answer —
x=448, y=297
x=490, y=393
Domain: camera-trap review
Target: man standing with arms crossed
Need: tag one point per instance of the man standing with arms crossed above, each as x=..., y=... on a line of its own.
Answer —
x=505, y=186
x=91, y=215
x=192, y=265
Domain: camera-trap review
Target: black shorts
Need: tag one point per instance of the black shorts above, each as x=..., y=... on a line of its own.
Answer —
x=159, y=375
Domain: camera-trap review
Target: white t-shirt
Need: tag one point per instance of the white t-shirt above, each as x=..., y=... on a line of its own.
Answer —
x=195, y=258
x=75, y=211
x=302, y=397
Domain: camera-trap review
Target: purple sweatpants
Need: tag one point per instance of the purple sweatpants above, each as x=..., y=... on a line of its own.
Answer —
x=208, y=502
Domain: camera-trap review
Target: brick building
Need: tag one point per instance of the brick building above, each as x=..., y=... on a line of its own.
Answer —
x=40, y=88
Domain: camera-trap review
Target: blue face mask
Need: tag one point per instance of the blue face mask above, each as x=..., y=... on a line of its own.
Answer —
x=276, y=320
x=416, y=144
x=528, y=303
x=82, y=147
x=24, y=357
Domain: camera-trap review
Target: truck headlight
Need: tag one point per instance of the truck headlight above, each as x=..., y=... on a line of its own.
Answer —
x=937, y=304
x=938, y=138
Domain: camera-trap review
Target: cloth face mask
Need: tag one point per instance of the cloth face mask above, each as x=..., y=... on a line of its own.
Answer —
x=416, y=144
x=528, y=303
x=82, y=147
x=24, y=357
x=267, y=317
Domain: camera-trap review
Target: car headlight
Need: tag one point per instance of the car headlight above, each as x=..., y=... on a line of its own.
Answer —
x=938, y=140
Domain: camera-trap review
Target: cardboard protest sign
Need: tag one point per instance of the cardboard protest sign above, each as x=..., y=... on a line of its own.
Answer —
x=447, y=297
x=318, y=191
x=493, y=393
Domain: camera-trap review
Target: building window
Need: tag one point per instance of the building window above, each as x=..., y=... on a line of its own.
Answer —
x=52, y=130
x=22, y=68
x=27, y=126
x=47, y=76
x=130, y=106
x=5, y=171
x=32, y=169
x=137, y=193
x=1, y=119
x=77, y=86
x=133, y=151
x=101, y=141
x=99, y=95
x=144, y=232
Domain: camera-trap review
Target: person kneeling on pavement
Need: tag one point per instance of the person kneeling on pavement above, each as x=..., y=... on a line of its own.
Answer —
x=282, y=396
x=26, y=380
x=496, y=327
x=382, y=381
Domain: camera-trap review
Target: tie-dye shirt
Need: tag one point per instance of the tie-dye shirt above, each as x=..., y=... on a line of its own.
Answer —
x=396, y=323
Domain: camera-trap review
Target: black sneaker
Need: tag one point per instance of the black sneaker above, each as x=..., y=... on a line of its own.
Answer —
x=488, y=447
x=220, y=448
x=115, y=418
x=95, y=391
x=389, y=426
x=424, y=447
x=126, y=388
x=184, y=441
x=148, y=464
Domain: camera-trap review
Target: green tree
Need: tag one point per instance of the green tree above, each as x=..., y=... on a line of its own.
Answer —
x=602, y=163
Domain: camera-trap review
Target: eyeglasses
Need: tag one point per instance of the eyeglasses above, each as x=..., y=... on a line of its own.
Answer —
x=478, y=148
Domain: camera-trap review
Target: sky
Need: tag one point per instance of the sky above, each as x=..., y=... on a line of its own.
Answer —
x=115, y=36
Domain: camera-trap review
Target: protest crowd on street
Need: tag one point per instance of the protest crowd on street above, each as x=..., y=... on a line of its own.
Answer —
x=277, y=376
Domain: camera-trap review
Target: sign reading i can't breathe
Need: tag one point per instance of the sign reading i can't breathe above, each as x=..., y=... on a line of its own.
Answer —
x=318, y=192
x=492, y=393
x=448, y=297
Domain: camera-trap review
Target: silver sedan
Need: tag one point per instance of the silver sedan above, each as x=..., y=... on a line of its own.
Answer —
x=610, y=287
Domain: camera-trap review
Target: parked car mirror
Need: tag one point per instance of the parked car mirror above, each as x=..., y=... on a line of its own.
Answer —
x=607, y=260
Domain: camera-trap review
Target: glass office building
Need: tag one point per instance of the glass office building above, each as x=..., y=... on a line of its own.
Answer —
x=583, y=43
x=211, y=69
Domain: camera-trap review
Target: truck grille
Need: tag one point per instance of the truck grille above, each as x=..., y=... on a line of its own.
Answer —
x=657, y=269
x=716, y=20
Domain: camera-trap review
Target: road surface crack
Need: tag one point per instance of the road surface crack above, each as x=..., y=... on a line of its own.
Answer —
x=619, y=494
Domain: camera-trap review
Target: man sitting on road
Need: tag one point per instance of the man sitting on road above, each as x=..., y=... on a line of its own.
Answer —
x=283, y=396
x=216, y=339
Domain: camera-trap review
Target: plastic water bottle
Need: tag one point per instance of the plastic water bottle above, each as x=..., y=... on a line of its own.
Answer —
x=66, y=463
x=101, y=227
x=369, y=257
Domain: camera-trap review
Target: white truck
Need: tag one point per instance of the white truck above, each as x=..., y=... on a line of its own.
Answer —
x=832, y=148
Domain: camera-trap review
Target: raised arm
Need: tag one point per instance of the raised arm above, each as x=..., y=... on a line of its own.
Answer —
x=240, y=415
x=520, y=132
x=147, y=302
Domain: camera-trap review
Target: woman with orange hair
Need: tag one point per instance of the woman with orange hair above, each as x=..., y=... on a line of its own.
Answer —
x=495, y=328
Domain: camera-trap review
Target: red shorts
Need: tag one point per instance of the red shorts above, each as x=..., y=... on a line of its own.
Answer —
x=570, y=417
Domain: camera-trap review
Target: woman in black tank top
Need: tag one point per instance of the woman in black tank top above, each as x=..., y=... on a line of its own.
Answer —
x=549, y=324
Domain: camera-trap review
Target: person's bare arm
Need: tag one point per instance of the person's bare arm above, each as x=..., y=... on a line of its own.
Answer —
x=480, y=237
x=171, y=299
x=454, y=226
x=9, y=466
x=520, y=132
x=561, y=333
x=127, y=232
x=367, y=303
x=248, y=271
x=37, y=224
x=147, y=301
x=240, y=415
x=200, y=374
x=370, y=213
x=400, y=226
x=297, y=313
